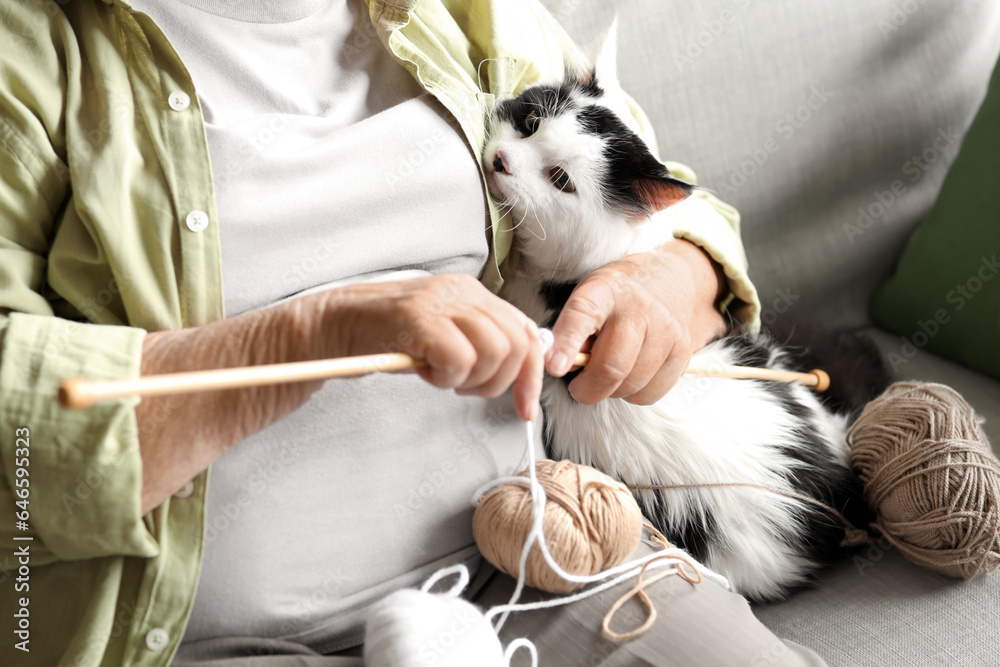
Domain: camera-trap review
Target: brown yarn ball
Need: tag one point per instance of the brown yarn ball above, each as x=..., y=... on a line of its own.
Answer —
x=591, y=523
x=930, y=477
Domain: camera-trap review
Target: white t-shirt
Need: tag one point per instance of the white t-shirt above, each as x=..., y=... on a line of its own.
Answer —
x=331, y=165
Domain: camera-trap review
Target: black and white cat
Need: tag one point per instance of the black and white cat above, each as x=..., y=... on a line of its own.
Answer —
x=582, y=187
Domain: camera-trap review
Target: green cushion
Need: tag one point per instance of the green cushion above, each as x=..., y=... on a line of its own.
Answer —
x=945, y=294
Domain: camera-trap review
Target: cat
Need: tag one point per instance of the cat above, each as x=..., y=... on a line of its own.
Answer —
x=566, y=162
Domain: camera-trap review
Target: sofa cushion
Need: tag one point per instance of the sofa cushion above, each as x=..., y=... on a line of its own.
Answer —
x=816, y=120
x=875, y=607
x=945, y=293
x=982, y=392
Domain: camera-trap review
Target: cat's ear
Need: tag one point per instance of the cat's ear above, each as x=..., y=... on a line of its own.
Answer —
x=604, y=73
x=653, y=188
x=660, y=191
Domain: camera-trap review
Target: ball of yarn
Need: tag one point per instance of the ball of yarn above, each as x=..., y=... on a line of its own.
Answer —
x=412, y=628
x=931, y=478
x=592, y=523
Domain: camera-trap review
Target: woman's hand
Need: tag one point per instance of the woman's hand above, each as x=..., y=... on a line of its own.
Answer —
x=472, y=341
x=650, y=312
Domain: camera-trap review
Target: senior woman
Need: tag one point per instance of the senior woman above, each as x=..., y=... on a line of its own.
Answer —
x=201, y=184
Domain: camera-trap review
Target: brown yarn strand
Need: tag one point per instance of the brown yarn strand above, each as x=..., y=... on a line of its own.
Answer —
x=931, y=476
x=693, y=577
x=591, y=523
x=853, y=536
x=919, y=450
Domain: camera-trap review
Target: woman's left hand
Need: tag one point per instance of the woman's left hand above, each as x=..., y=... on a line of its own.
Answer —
x=650, y=312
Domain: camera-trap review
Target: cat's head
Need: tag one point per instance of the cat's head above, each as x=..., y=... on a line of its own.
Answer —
x=575, y=178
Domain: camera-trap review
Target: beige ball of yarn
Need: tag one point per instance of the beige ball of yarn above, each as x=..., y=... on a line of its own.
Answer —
x=931, y=478
x=591, y=523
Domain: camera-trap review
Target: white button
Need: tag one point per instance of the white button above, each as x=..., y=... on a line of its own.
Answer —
x=157, y=639
x=196, y=220
x=179, y=100
x=186, y=490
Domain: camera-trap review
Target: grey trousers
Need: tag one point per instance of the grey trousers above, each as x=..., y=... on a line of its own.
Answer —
x=697, y=625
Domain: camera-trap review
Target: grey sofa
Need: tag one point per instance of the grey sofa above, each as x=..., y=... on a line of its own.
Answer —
x=800, y=114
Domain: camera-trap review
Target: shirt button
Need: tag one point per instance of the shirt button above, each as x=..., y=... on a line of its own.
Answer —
x=157, y=639
x=186, y=490
x=179, y=100
x=196, y=220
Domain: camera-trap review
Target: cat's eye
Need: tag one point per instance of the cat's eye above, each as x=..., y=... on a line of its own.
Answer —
x=531, y=122
x=561, y=179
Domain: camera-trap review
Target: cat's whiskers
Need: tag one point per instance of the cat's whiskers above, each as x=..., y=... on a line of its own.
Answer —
x=479, y=70
x=544, y=233
x=554, y=104
x=520, y=222
x=508, y=205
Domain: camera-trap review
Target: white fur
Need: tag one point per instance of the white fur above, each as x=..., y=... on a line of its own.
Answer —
x=705, y=430
x=591, y=236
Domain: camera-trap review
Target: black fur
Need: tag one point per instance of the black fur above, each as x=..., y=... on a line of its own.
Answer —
x=815, y=473
x=629, y=160
x=810, y=468
x=555, y=294
x=694, y=535
x=590, y=88
x=543, y=101
x=852, y=360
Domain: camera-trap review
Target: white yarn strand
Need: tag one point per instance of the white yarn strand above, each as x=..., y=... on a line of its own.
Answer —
x=454, y=591
x=407, y=624
x=663, y=557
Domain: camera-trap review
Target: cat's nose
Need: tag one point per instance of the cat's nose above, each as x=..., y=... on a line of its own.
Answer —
x=499, y=165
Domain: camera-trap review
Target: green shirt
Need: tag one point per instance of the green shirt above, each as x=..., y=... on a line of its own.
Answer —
x=105, y=191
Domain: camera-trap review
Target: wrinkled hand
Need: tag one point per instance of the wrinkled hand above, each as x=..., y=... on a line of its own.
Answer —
x=649, y=312
x=472, y=340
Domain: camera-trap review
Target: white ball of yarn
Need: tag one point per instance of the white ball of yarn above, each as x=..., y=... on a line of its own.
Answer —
x=411, y=628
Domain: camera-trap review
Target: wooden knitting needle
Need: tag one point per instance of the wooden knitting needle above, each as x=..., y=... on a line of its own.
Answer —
x=80, y=393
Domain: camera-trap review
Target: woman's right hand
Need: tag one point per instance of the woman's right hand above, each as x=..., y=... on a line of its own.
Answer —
x=471, y=340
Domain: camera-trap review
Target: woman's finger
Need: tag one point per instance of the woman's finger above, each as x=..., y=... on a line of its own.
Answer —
x=612, y=359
